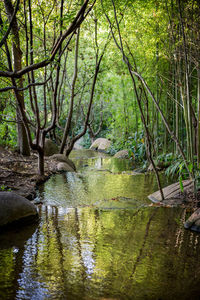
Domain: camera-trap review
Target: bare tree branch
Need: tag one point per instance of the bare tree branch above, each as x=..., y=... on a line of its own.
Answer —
x=26, y=87
x=81, y=15
x=10, y=25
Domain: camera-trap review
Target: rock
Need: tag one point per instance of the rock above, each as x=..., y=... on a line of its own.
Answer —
x=159, y=166
x=122, y=154
x=78, y=144
x=61, y=166
x=150, y=168
x=50, y=148
x=193, y=221
x=64, y=159
x=172, y=193
x=14, y=208
x=101, y=144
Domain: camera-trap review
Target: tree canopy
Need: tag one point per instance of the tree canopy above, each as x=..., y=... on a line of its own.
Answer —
x=125, y=70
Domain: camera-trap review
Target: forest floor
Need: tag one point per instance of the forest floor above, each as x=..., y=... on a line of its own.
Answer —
x=19, y=173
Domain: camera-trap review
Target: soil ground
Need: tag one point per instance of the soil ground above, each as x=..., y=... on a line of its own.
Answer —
x=19, y=173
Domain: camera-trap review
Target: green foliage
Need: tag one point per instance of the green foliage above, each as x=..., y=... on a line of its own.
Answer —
x=4, y=188
x=136, y=146
x=86, y=141
x=176, y=167
x=166, y=158
x=151, y=42
x=8, y=134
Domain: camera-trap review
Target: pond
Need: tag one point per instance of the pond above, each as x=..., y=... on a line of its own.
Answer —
x=99, y=237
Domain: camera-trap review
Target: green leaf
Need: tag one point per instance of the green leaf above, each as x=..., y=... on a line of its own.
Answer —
x=190, y=167
x=181, y=183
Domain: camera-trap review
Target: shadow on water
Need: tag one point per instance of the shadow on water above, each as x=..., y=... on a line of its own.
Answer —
x=98, y=238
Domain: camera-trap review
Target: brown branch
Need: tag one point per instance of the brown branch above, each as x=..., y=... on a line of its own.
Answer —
x=10, y=25
x=75, y=24
x=24, y=88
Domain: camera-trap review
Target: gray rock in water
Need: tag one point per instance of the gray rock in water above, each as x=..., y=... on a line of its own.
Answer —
x=64, y=159
x=61, y=166
x=172, y=192
x=101, y=144
x=14, y=208
x=193, y=222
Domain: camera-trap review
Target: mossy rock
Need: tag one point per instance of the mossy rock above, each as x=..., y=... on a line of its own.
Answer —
x=64, y=167
x=50, y=148
x=64, y=159
x=122, y=154
x=193, y=222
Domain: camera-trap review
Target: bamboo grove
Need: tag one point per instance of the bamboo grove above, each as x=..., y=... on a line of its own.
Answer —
x=125, y=70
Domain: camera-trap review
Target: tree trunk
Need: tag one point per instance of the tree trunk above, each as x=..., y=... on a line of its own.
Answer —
x=69, y=119
x=17, y=58
x=41, y=162
x=198, y=121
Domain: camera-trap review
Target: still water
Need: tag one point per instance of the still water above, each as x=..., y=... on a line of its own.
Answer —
x=100, y=238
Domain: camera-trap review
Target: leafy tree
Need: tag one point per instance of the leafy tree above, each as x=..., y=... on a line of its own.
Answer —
x=37, y=60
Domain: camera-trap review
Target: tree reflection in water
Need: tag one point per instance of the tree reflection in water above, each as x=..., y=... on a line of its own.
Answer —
x=84, y=253
x=99, y=238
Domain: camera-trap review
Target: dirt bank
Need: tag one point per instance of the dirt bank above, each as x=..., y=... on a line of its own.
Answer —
x=19, y=173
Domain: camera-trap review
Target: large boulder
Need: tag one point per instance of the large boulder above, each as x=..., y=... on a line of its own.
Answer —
x=64, y=159
x=101, y=144
x=50, y=148
x=193, y=222
x=172, y=194
x=61, y=166
x=122, y=154
x=14, y=207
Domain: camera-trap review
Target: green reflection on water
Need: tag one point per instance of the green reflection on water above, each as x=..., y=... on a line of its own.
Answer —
x=96, y=189
x=99, y=239
x=86, y=153
x=84, y=253
x=100, y=182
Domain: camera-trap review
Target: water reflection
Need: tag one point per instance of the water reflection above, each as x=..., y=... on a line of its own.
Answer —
x=109, y=164
x=98, y=239
x=84, y=253
x=86, y=153
x=99, y=189
x=12, y=247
